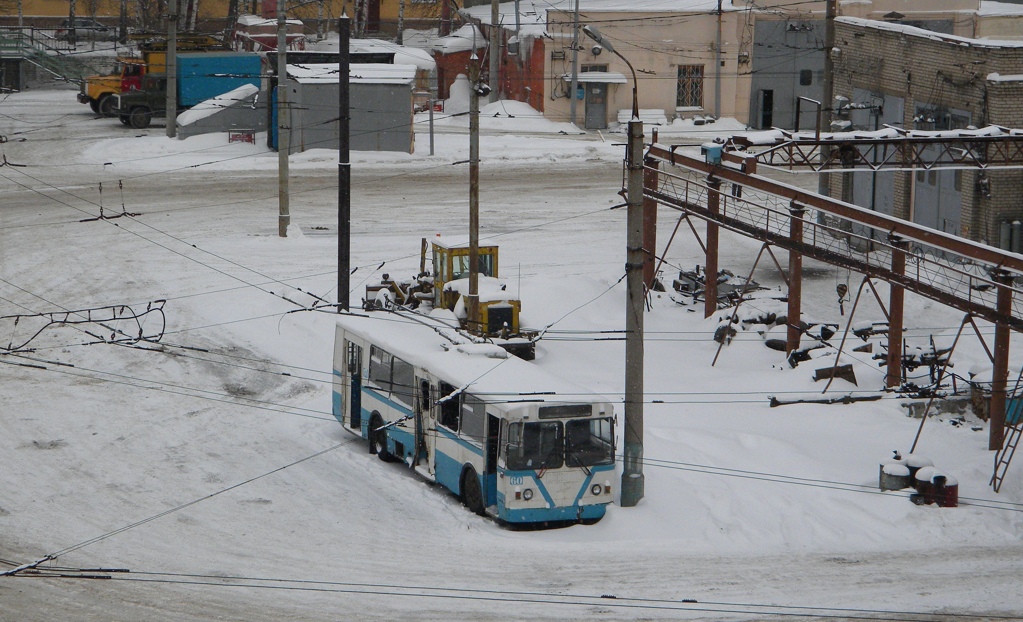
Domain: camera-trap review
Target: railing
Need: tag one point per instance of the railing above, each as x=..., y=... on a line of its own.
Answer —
x=32, y=37
x=941, y=274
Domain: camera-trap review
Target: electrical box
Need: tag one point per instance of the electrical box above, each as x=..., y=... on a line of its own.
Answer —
x=711, y=152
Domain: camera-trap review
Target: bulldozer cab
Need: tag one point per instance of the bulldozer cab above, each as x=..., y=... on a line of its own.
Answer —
x=451, y=261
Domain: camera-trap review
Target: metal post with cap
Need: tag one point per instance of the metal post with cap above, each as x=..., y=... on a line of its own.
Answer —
x=635, y=258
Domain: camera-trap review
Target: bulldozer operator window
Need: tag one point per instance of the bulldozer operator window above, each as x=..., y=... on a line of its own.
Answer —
x=460, y=266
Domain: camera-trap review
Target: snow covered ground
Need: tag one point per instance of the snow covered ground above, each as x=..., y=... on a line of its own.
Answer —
x=211, y=468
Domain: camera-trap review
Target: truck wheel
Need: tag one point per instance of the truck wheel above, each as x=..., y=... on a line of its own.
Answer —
x=94, y=105
x=139, y=117
x=106, y=105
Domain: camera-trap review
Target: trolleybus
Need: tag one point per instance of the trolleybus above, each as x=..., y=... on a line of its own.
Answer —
x=511, y=440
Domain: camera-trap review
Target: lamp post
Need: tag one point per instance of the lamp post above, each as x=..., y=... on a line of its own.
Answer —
x=632, y=472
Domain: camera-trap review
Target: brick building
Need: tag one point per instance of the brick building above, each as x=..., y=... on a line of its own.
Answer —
x=918, y=79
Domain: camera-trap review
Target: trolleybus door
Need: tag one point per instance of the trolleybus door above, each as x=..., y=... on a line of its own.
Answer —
x=422, y=409
x=355, y=374
x=490, y=458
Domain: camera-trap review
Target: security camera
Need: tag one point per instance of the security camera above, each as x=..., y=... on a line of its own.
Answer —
x=596, y=50
x=482, y=89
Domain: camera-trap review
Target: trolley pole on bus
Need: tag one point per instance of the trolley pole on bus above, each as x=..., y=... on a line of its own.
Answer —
x=635, y=259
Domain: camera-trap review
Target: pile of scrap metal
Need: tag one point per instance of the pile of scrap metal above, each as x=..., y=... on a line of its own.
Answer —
x=731, y=288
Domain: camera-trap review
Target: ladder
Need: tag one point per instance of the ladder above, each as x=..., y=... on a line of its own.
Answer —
x=1013, y=429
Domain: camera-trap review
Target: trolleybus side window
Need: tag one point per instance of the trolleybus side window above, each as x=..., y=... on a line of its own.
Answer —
x=380, y=368
x=391, y=374
x=473, y=416
x=402, y=382
x=449, y=409
x=535, y=445
x=588, y=442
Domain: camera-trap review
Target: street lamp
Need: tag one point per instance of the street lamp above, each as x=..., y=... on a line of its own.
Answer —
x=635, y=257
x=593, y=33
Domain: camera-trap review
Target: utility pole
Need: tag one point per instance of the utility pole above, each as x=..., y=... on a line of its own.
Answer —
x=575, y=65
x=635, y=258
x=717, y=68
x=122, y=23
x=472, y=306
x=344, y=172
x=401, y=22
x=72, y=35
x=172, y=68
x=283, y=122
x=496, y=37
x=635, y=302
x=828, y=100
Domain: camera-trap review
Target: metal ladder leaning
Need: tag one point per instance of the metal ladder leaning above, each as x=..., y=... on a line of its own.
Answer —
x=1014, y=430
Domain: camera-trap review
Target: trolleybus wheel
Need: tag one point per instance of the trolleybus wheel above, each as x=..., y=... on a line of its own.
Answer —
x=472, y=495
x=378, y=439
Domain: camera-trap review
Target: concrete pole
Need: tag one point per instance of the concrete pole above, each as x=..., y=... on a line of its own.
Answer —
x=122, y=22
x=172, y=68
x=793, y=332
x=717, y=68
x=575, y=65
x=633, y=483
x=496, y=37
x=401, y=22
x=344, y=172
x=472, y=306
x=828, y=99
x=283, y=122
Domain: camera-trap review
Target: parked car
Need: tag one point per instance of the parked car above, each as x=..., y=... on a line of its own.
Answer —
x=85, y=30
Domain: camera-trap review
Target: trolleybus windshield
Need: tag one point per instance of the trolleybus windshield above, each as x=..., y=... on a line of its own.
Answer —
x=553, y=444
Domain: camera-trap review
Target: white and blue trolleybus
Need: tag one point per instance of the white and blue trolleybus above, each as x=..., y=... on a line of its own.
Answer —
x=511, y=440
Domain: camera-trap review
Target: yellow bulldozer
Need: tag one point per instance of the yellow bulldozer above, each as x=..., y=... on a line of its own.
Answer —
x=446, y=287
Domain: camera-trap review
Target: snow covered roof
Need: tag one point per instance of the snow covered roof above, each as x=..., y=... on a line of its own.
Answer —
x=771, y=137
x=461, y=40
x=256, y=20
x=533, y=17
x=359, y=73
x=403, y=55
x=485, y=369
x=927, y=34
x=215, y=104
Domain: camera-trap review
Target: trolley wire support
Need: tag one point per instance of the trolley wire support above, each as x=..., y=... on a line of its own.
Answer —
x=126, y=326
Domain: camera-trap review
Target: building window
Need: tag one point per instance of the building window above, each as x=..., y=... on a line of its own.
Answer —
x=690, y=86
x=588, y=68
x=806, y=77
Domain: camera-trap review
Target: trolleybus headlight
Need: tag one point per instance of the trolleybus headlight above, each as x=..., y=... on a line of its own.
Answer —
x=527, y=494
x=596, y=489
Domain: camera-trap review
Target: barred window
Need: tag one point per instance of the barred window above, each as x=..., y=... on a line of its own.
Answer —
x=690, y=86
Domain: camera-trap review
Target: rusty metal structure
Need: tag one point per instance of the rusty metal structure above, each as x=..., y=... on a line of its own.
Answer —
x=726, y=192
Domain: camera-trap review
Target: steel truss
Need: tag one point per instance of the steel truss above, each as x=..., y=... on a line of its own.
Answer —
x=979, y=280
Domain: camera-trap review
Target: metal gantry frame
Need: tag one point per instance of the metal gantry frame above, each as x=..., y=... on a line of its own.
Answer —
x=982, y=281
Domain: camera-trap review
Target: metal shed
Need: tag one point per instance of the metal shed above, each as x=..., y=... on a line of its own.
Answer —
x=381, y=107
